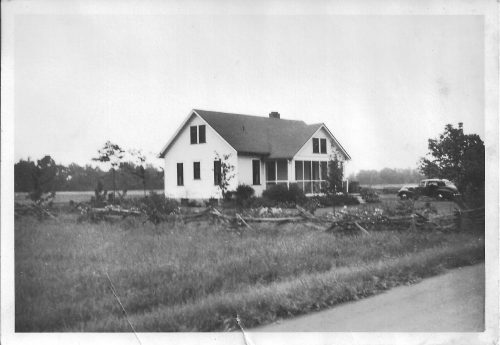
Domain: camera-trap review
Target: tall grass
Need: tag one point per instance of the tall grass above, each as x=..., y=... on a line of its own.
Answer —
x=177, y=277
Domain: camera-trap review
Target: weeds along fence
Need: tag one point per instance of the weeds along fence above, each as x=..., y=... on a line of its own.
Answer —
x=343, y=223
x=473, y=219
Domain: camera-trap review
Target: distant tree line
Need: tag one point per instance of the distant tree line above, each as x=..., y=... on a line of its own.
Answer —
x=58, y=177
x=387, y=176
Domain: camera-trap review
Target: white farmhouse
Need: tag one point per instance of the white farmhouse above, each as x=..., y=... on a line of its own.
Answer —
x=263, y=151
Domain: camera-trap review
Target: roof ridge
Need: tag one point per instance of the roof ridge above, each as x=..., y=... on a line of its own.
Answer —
x=253, y=116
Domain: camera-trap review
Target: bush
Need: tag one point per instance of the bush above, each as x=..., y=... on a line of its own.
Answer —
x=193, y=203
x=369, y=195
x=354, y=187
x=157, y=207
x=336, y=200
x=264, y=202
x=282, y=193
x=243, y=194
x=212, y=202
x=402, y=208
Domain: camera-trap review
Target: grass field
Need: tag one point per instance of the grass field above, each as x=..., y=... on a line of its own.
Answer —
x=199, y=276
x=76, y=196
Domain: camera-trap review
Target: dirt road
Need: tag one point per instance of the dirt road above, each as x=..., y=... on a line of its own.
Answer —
x=452, y=302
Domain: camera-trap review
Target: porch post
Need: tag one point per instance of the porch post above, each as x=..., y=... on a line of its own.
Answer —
x=288, y=175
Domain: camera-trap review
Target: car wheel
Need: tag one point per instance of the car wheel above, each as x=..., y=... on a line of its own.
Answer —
x=440, y=196
x=403, y=196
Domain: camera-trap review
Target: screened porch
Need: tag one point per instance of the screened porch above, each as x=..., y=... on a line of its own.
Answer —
x=308, y=175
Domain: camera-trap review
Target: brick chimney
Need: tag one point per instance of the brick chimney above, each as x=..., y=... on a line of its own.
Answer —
x=274, y=115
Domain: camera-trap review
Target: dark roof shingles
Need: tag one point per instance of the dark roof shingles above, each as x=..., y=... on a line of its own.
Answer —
x=277, y=138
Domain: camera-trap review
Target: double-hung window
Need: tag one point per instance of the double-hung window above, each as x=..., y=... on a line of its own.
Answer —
x=217, y=173
x=202, y=134
x=315, y=145
x=196, y=170
x=193, y=130
x=180, y=174
x=256, y=172
x=323, y=145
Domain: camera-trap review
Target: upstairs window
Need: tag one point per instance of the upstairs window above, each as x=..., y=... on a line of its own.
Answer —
x=198, y=134
x=201, y=134
x=194, y=134
x=217, y=173
x=180, y=174
x=256, y=172
x=315, y=145
x=323, y=145
x=319, y=145
x=196, y=170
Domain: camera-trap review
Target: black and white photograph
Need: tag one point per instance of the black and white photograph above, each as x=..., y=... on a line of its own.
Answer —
x=252, y=173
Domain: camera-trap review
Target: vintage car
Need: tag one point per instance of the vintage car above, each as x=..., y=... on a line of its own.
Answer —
x=435, y=188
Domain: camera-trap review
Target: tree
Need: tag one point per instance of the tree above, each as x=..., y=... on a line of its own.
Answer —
x=140, y=167
x=457, y=157
x=223, y=173
x=111, y=154
x=44, y=178
x=23, y=175
x=335, y=176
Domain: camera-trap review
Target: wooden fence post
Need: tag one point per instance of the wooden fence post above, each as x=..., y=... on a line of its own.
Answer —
x=458, y=220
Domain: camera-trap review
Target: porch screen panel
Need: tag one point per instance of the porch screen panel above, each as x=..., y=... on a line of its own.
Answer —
x=323, y=170
x=307, y=170
x=271, y=171
x=316, y=187
x=282, y=170
x=315, y=171
x=311, y=176
x=299, y=170
x=323, y=167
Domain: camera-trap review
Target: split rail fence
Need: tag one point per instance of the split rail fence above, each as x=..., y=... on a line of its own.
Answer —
x=352, y=224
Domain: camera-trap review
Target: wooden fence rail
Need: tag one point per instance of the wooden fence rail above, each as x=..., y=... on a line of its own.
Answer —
x=460, y=220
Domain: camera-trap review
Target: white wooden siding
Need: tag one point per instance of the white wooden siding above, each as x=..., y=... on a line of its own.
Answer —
x=306, y=152
x=182, y=151
x=245, y=173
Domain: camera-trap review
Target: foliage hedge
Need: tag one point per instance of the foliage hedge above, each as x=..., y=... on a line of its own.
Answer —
x=243, y=194
x=369, y=195
x=282, y=193
x=336, y=200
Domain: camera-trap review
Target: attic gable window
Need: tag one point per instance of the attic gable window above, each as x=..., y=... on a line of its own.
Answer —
x=315, y=145
x=194, y=134
x=323, y=145
x=198, y=134
x=319, y=143
x=201, y=134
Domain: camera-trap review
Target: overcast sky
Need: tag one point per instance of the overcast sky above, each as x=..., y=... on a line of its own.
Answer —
x=382, y=84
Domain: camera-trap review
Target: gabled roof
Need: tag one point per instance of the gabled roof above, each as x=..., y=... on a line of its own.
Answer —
x=270, y=137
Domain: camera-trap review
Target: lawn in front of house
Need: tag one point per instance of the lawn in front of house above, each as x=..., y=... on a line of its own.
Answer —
x=199, y=276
